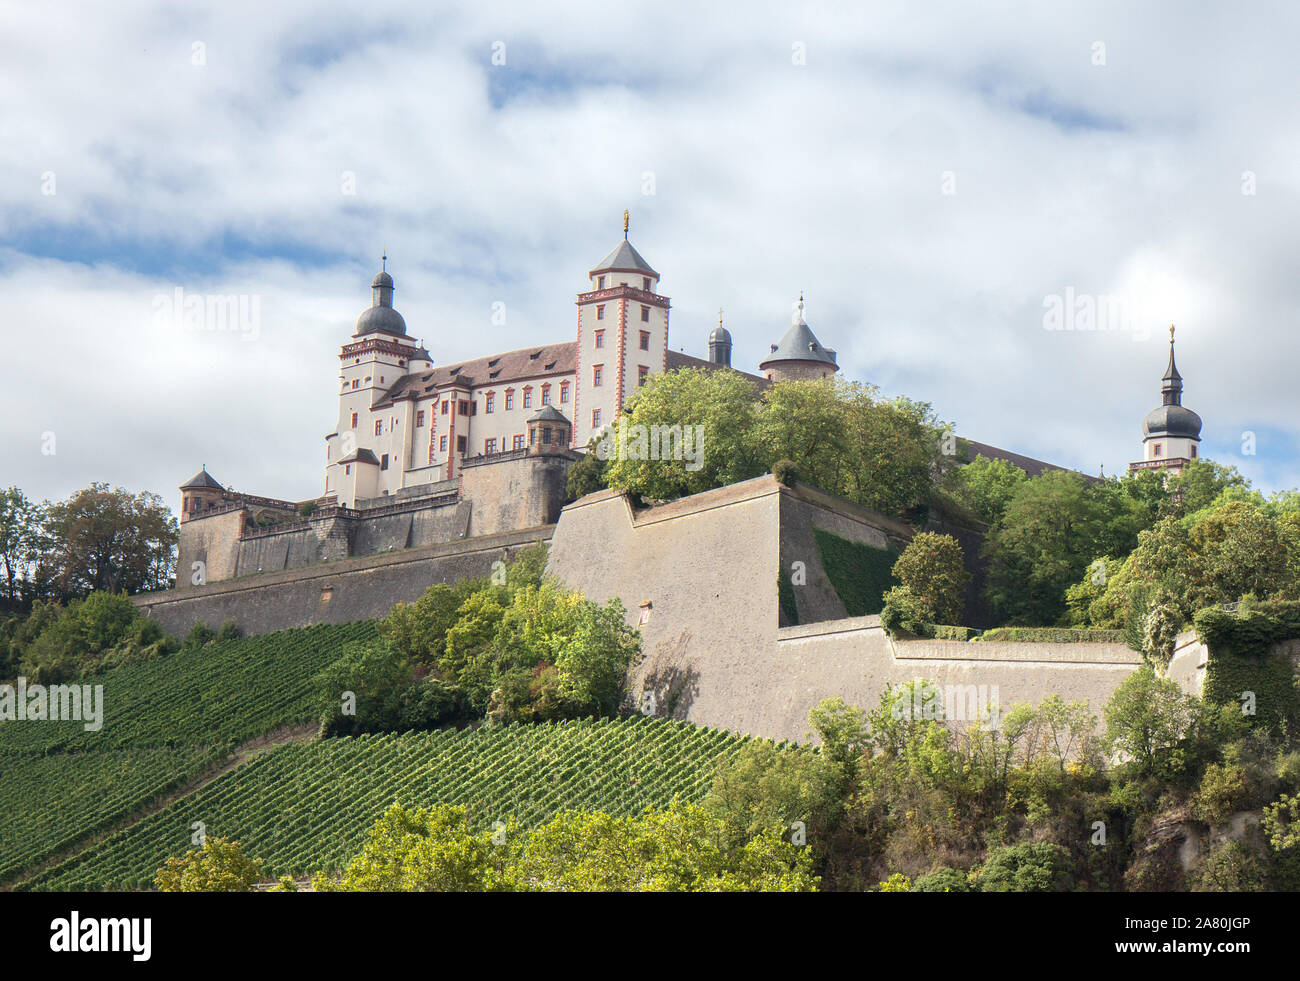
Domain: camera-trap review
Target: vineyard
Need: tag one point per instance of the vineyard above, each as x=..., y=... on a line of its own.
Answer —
x=307, y=807
x=52, y=801
x=164, y=722
x=219, y=695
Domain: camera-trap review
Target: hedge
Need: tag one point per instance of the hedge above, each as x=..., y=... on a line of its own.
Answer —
x=1054, y=635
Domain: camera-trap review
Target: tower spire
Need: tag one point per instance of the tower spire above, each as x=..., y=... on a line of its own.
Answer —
x=1171, y=388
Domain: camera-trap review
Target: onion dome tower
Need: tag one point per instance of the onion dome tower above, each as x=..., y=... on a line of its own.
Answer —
x=720, y=344
x=1171, y=432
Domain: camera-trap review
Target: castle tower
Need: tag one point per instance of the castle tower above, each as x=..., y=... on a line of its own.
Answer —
x=1170, y=432
x=359, y=451
x=622, y=337
x=799, y=355
x=720, y=344
x=200, y=494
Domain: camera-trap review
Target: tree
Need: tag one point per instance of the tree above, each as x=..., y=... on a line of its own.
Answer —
x=985, y=487
x=587, y=475
x=111, y=540
x=1200, y=484
x=1044, y=541
x=430, y=849
x=20, y=521
x=219, y=866
x=681, y=848
x=931, y=569
x=722, y=403
x=1149, y=721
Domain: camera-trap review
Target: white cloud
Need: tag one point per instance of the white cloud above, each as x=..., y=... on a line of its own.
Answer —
x=505, y=183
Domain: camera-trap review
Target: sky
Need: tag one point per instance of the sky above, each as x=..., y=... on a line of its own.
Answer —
x=935, y=179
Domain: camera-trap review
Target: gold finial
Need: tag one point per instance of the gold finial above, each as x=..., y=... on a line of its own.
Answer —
x=384, y=259
x=719, y=316
x=1171, y=333
x=625, y=223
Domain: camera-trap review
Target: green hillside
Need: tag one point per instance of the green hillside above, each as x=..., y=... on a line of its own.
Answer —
x=165, y=721
x=307, y=807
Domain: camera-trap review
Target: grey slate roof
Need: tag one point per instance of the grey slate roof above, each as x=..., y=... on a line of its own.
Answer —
x=361, y=456
x=201, y=480
x=799, y=344
x=624, y=259
x=549, y=413
x=1172, y=420
x=381, y=319
x=495, y=369
x=679, y=359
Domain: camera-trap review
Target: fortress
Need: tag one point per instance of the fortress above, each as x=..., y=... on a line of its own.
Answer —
x=433, y=474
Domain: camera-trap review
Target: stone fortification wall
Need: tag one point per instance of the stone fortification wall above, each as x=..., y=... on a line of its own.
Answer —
x=699, y=576
x=334, y=592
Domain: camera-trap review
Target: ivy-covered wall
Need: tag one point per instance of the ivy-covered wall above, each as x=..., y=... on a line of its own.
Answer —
x=1245, y=656
x=860, y=574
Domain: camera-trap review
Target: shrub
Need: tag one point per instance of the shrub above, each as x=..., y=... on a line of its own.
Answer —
x=199, y=635
x=1038, y=867
x=942, y=880
x=931, y=569
x=786, y=472
x=900, y=615
x=1230, y=866
x=229, y=631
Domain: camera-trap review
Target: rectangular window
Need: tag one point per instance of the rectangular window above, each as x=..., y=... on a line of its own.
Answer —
x=600, y=338
x=519, y=443
x=564, y=392
x=528, y=398
x=383, y=462
x=356, y=383
x=546, y=395
x=595, y=418
x=642, y=373
x=489, y=446
x=354, y=420
x=645, y=340
x=489, y=401
x=419, y=417
x=600, y=283
x=645, y=315
x=442, y=445
x=461, y=442
x=645, y=285
x=1156, y=450
x=597, y=371
x=546, y=435
x=379, y=427
x=600, y=313
x=445, y=403
x=347, y=468
x=463, y=407
x=1193, y=451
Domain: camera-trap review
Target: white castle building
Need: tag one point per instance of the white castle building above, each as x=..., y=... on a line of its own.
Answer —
x=402, y=422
